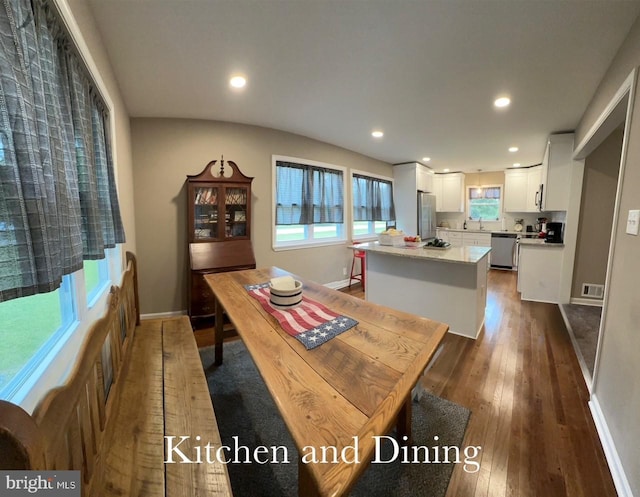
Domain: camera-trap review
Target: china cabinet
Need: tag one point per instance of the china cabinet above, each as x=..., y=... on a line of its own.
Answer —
x=219, y=224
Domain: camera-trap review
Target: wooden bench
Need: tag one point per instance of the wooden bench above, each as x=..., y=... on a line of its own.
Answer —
x=133, y=384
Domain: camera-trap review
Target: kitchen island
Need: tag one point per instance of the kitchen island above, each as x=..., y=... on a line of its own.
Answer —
x=445, y=285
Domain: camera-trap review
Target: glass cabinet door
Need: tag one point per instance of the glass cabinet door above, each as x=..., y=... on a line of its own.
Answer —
x=235, y=203
x=205, y=217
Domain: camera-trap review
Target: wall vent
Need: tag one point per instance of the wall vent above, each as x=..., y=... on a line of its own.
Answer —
x=592, y=290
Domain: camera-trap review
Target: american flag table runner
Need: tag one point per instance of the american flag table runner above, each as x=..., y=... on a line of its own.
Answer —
x=311, y=322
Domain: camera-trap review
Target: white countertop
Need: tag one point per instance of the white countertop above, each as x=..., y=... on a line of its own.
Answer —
x=539, y=242
x=460, y=255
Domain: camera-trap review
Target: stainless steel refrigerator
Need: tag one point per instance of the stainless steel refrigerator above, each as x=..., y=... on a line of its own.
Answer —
x=426, y=216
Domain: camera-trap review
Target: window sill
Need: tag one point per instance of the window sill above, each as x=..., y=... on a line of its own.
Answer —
x=365, y=238
x=306, y=245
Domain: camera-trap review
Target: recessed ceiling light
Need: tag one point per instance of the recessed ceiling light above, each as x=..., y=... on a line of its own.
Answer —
x=502, y=102
x=513, y=149
x=377, y=134
x=238, y=81
x=517, y=164
x=446, y=170
x=426, y=159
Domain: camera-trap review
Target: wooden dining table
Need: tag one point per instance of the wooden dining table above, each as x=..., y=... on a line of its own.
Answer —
x=358, y=384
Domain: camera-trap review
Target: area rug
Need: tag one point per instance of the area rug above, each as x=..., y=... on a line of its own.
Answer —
x=584, y=321
x=244, y=409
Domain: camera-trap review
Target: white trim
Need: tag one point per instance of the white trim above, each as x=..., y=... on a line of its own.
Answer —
x=601, y=128
x=591, y=302
x=306, y=245
x=163, y=315
x=611, y=454
x=370, y=175
x=337, y=285
x=628, y=86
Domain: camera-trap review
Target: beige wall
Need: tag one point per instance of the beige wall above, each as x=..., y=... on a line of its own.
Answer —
x=120, y=130
x=166, y=150
x=617, y=385
x=596, y=213
x=483, y=179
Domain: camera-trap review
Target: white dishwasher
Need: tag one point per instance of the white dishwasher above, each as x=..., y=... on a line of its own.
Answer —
x=503, y=250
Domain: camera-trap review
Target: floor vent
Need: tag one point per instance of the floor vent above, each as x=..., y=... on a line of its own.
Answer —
x=592, y=290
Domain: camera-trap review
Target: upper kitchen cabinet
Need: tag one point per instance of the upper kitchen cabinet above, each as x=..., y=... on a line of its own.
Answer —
x=408, y=179
x=413, y=176
x=449, y=191
x=556, y=172
x=522, y=189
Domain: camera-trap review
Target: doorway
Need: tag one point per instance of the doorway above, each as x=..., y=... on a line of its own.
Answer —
x=604, y=152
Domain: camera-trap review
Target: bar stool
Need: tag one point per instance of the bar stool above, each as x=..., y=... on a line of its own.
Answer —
x=358, y=254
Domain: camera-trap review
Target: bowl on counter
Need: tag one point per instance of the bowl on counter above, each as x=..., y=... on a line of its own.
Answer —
x=285, y=299
x=391, y=240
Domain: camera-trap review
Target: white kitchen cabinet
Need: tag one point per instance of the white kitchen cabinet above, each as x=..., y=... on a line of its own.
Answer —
x=437, y=191
x=534, y=189
x=442, y=234
x=470, y=239
x=476, y=239
x=424, y=179
x=522, y=189
x=556, y=172
x=449, y=191
x=455, y=239
x=408, y=179
x=515, y=190
x=539, y=271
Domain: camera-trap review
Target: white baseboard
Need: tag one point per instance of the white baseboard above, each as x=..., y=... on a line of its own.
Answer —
x=615, y=465
x=337, y=285
x=592, y=302
x=162, y=315
x=334, y=285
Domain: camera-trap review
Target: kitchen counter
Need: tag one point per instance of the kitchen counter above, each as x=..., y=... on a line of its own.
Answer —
x=540, y=242
x=449, y=285
x=523, y=234
x=533, y=283
x=463, y=255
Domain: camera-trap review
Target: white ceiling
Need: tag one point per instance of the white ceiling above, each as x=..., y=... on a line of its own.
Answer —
x=426, y=72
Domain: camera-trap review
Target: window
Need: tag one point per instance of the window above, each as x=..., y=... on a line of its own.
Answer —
x=373, y=206
x=484, y=202
x=29, y=326
x=308, y=203
x=34, y=328
x=96, y=278
x=57, y=160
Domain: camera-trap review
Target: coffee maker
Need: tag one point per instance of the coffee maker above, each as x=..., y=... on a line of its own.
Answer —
x=554, y=233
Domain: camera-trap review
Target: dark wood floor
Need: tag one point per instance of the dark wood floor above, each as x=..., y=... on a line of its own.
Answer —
x=523, y=384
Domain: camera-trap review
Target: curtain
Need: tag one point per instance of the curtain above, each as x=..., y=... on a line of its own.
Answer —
x=58, y=202
x=485, y=192
x=372, y=199
x=308, y=194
